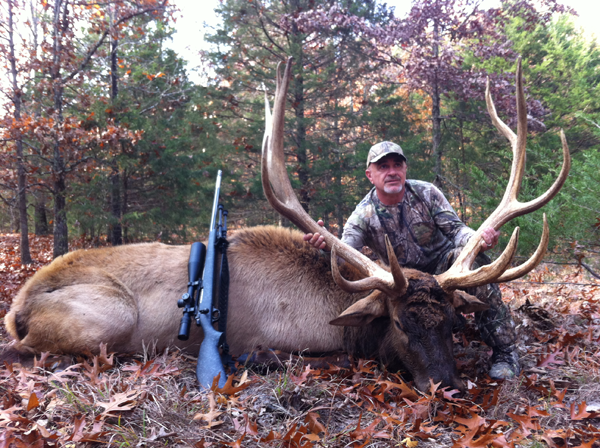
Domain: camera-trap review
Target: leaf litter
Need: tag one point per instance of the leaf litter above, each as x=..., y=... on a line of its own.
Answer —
x=153, y=400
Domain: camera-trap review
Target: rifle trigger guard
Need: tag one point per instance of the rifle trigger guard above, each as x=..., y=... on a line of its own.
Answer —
x=216, y=315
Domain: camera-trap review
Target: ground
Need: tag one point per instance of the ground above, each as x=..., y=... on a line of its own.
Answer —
x=154, y=401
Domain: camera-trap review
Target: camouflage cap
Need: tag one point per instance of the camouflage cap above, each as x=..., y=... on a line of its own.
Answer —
x=381, y=150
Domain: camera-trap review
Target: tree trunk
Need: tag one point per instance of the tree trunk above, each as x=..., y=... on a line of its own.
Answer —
x=435, y=111
x=21, y=175
x=300, y=133
x=40, y=216
x=15, y=225
x=337, y=173
x=462, y=176
x=61, y=231
x=124, y=208
x=115, y=179
x=25, y=252
x=116, y=229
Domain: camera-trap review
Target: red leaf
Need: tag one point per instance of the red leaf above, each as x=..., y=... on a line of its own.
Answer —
x=78, y=427
x=550, y=359
x=315, y=426
x=368, y=432
x=229, y=388
x=483, y=441
x=526, y=423
x=581, y=412
x=299, y=380
x=474, y=422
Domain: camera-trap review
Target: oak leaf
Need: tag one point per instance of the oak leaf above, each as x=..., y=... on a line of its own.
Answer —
x=230, y=389
x=581, y=412
x=551, y=359
x=315, y=426
x=212, y=414
x=124, y=401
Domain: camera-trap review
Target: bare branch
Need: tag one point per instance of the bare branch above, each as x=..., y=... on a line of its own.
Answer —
x=100, y=41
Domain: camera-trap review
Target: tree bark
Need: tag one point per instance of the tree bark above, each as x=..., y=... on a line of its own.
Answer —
x=21, y=174
x=59, y=185
x=300, y=125
x=115, y=178
x=40, y=216
x=435, y=110
x=116, y=229
x=61, y=231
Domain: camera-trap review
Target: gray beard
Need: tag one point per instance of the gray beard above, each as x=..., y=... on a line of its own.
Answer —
x=392, y=190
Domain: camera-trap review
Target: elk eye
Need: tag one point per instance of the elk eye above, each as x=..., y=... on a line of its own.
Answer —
x=398, y=326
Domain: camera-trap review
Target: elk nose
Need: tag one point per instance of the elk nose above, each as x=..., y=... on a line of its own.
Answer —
x=449, y=381
x=460, y=385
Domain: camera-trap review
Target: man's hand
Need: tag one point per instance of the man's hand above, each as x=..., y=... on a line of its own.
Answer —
x=489, y=238
x=316, y=239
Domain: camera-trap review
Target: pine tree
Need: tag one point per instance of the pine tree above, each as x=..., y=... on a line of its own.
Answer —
x=328, y=96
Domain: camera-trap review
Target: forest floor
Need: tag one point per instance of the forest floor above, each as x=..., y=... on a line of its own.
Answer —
x=154, y=401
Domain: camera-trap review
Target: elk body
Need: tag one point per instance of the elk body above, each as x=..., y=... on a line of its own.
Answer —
x=282, y=296
x=282, y=292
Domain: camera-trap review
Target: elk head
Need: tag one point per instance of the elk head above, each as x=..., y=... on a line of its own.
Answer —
x=419, y=308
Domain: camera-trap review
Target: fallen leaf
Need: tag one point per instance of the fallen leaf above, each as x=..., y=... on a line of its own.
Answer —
x=33, y=402
x=229, y=389
x=123, y=401
x=212, y=414
x=474, y=422
x=409, y=443
x=581, y=411
x=550, y=359
x=315, y=426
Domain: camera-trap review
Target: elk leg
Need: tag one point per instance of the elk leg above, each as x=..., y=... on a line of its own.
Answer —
x=78, y=318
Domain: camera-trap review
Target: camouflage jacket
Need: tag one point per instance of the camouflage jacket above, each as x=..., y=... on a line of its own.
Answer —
x=422, y=228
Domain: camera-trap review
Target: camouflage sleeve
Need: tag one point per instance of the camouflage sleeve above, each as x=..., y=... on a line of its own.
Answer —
x=447, y=220
x=354, y=233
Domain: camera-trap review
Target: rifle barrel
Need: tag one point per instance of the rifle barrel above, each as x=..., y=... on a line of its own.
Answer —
x=209, y=359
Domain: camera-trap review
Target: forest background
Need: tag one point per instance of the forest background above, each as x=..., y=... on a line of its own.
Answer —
x=109, y=137
x=105, y=137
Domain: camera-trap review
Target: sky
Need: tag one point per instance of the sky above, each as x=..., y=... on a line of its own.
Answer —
x=189, y=38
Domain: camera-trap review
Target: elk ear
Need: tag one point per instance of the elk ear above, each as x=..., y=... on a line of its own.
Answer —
x=466, y=303
x=364, y=311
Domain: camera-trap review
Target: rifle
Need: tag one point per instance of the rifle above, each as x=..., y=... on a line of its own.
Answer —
x=198, y=301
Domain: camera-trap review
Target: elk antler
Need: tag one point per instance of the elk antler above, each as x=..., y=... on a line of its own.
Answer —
x=282, y=198
x=459, y=275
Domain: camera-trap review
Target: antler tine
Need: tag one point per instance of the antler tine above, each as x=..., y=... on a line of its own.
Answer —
x=459, y=274
x=498, y=123
x=464, y=278
x=366, y=284
x=278, y=191
x=532, y=262
x=400, y=282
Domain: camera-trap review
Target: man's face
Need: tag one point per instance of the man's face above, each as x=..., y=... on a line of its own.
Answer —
x=388, y=174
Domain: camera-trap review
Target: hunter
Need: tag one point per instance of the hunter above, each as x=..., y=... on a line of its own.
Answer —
x=426, y=234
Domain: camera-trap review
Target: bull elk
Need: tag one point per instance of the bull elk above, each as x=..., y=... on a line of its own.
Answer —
x=282, y=292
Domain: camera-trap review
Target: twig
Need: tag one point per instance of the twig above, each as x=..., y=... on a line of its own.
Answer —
x=590, y=270
x=556, y=283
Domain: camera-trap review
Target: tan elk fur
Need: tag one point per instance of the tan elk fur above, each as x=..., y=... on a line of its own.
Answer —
x=127, y=296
